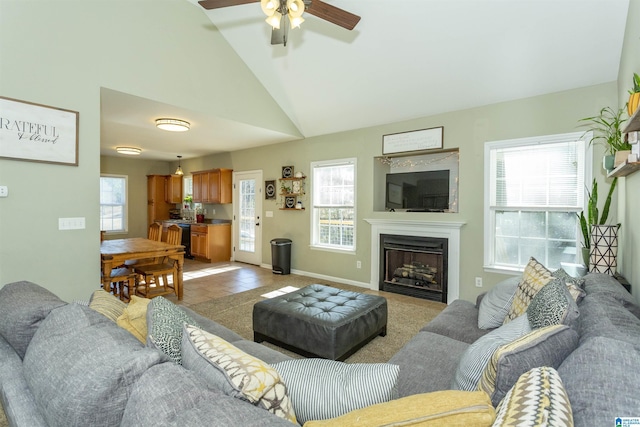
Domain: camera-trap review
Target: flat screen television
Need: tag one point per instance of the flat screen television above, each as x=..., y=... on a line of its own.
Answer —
x=425, y=191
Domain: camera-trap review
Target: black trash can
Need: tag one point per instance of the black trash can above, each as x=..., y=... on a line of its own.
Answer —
x=281, y=256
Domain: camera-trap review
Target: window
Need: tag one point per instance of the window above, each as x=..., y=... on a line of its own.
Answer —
x=534, y=187
x=187, y=188
x=113, y=203
x=333, y=198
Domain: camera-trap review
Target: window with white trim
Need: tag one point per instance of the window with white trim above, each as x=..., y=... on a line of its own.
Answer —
x=113, y=203
x=534, y=187
x=333, y=204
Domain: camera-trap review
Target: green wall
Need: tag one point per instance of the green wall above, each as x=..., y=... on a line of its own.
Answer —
x=466, y=130
x=61, y=53
x=629, y=187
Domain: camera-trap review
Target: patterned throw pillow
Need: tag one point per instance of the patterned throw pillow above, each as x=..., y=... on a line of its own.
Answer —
x=134, y=318
x=164, y=327
x=321, y=389
x=236, y=373
x=542, y=347
x=535, y=276
x=538, y=399
x=575, y=285
x=552, y=305
x=477, y=355
x=106, y=304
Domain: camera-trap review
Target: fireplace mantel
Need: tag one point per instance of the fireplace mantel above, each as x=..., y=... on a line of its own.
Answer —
x=444, y=229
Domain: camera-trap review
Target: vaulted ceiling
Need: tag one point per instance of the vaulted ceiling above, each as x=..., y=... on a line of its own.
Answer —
x=405, y=59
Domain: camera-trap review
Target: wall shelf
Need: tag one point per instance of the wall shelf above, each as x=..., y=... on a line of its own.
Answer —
x=624, y=169
x=634, y=123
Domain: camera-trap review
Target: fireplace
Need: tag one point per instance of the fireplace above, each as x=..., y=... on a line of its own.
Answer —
x=414, y=265
x=449, y=230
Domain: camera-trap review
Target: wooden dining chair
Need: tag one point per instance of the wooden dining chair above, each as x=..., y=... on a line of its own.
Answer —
x=155, y=233
x=123, y=279
x=156, y=276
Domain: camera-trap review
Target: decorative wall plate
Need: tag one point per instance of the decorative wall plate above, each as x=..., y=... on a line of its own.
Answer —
x=290, y=202
x=287, y=171
x=269, y=190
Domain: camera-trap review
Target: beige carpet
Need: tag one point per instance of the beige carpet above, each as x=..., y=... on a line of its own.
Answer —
x=406, y=316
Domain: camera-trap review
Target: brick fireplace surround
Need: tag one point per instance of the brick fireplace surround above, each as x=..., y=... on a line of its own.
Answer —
x=445, y=229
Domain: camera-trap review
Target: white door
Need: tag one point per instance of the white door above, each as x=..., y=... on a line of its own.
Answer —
x=247, y=217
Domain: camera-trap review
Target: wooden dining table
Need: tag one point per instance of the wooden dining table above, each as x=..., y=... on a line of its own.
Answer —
x=114, y=253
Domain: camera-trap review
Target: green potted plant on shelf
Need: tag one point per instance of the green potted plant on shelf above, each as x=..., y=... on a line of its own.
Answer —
x=607, y=130
x=634, y=95
x=593, y=216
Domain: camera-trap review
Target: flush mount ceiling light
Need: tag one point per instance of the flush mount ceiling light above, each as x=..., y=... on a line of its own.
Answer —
x=179, y=170
x=173, y=125
x=131, y=151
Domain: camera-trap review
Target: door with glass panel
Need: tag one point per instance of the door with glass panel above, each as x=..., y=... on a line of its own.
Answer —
x=247, y=220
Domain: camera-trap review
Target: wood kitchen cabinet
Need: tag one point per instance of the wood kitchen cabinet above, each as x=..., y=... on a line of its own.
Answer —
x=211, y=242
x=212, y=186
x=174, y=189
x=157, y=205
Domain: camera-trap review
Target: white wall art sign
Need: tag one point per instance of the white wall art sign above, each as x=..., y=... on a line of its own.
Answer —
x=416, y=140
x=38, y=133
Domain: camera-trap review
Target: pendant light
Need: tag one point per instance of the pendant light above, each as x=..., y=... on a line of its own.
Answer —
x=179, y=170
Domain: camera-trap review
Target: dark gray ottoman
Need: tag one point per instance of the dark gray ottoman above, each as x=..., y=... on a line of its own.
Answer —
x=320, y=321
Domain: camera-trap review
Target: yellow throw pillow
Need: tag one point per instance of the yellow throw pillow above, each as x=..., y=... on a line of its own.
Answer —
x=134, y=318
x=439, y=408
x=107, y=304
x=534, y=277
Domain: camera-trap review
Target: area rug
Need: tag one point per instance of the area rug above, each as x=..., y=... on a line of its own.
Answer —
x=407, y=315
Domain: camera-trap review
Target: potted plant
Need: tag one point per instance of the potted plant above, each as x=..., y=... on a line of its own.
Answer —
x=593, y=216
x=607, y=129
x=634, y=95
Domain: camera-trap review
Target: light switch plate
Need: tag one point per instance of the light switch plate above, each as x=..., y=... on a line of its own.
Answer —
x=71, y=223
x=4, y=191
x=269, y=214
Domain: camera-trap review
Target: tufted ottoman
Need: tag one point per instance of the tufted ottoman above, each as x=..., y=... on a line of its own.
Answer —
x=320, y=321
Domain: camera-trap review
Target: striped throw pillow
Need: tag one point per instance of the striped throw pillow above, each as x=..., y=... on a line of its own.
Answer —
x=321, y=389
x=107, y=305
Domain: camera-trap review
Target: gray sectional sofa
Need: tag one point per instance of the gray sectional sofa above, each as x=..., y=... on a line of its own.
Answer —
x=68, y=365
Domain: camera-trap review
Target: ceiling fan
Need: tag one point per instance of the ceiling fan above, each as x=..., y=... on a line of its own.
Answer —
x=282, y=14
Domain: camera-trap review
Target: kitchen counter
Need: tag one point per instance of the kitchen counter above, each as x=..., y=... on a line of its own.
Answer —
x=206, y=221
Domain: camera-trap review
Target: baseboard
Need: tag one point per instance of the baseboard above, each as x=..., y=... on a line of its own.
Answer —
x=325, y=277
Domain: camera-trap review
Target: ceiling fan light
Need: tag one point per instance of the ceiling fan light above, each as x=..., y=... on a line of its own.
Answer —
x=274, y=20
x=269, y=7
x=295, y=22
x=131, y=151
x=173, y=125
x=295, y=8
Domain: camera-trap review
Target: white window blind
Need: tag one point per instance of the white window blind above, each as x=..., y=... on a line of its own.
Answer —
x=333, y=199
x=113, y=203
x=533, y=189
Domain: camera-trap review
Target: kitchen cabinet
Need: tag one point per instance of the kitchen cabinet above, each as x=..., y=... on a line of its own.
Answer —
x=157, y=206
x=211, y=242
x=174, y=189
x=212, y=186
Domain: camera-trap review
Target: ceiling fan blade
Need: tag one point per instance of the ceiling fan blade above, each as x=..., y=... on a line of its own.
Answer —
x=332, y=14
x=216, y=4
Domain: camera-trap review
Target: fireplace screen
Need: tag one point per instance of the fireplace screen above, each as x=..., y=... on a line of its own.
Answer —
x=414, y=266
